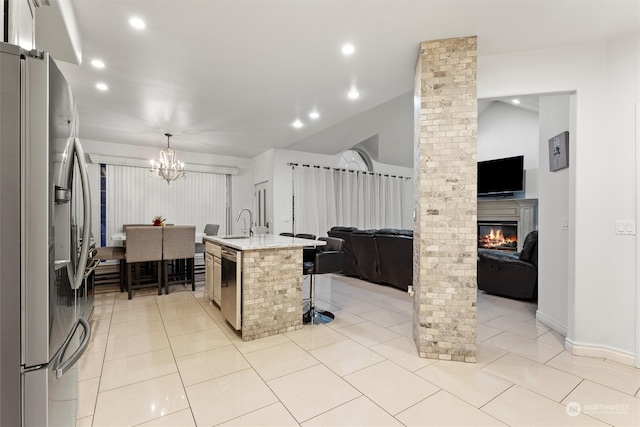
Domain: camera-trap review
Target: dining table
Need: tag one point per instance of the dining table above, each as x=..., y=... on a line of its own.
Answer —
x=122, y=237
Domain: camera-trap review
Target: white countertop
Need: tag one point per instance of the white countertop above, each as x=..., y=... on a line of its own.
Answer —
x=263, y=241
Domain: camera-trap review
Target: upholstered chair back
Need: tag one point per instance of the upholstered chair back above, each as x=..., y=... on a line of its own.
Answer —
x=329, y=258
x=144, y=244
x=211, y=229
x=178, y=242
x=333, y=244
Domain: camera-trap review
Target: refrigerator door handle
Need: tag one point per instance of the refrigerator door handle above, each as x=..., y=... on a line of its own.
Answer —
x=86, y=205
x=59, y=368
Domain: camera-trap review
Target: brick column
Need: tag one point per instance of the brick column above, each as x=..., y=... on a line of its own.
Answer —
x=445, y=242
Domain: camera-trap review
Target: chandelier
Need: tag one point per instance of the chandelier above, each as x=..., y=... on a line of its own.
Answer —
x=168, y=168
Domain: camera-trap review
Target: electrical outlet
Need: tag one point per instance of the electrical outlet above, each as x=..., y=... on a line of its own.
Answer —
x=565, y=223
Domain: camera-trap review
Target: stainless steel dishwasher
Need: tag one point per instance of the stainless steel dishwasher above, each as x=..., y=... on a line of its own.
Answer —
x=231, y=295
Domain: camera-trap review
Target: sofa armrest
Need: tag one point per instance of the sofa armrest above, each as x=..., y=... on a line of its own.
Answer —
x=495, y=255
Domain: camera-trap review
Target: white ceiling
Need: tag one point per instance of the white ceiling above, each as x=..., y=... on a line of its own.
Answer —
x=229, y=77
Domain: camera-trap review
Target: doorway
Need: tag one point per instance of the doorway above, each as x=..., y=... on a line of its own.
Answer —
x=262, y=208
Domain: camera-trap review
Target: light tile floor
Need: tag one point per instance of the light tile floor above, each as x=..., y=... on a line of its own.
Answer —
x=172, y=360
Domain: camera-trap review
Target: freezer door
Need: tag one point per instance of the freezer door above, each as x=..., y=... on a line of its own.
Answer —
x=55, y=251
x=51, y=393
x=48, y=304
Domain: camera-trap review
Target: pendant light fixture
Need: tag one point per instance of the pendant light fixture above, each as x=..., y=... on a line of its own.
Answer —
x=168, y=168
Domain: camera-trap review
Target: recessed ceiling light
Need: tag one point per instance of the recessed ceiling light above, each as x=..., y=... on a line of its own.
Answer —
x=102, y=86
x=297, y=124
x=348, y=49
x=515, y=101
x=137, y=23
x=97, y=63
x=314, y=115
x=353, y=94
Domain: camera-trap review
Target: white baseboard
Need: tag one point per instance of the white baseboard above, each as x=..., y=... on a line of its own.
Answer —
x=600, y=352
x=548, y=321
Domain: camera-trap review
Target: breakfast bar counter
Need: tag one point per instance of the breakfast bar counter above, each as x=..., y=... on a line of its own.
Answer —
x=260, y=282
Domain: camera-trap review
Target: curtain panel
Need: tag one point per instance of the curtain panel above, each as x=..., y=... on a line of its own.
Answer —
x=133, y=196
x=326, y=197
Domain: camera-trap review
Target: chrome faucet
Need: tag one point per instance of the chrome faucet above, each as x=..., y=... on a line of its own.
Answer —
x=250, y=219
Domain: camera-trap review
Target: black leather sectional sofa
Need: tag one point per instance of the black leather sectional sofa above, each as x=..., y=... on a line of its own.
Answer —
x=382, y=256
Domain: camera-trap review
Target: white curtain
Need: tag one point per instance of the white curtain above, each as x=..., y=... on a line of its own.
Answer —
x=328, y=197
x=314, y=207
x=133, y=196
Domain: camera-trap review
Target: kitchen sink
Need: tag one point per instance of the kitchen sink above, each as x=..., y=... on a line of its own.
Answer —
x=234, y=237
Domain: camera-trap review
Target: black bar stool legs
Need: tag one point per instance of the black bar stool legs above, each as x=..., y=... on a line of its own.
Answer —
x=317, y=317
x=327, y=259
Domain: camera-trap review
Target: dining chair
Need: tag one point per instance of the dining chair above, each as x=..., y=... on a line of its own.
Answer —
x=209, y=230
x=178, y=252
x=199, y=263
x=144, y=245
x=110, y=253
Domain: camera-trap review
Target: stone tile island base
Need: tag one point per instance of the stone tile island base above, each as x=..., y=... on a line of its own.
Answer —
x=271, y=292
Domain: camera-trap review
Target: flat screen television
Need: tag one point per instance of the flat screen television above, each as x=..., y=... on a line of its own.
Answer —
x=501, y=176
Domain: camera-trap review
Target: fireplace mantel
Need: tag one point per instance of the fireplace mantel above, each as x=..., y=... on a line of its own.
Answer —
x=524, y=211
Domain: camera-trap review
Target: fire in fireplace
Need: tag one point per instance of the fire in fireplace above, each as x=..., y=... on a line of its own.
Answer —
x=498, y=235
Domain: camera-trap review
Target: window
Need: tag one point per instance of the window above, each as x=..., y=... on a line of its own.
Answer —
x=355, y=159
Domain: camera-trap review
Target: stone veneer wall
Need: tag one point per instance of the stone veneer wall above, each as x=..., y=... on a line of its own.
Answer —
x=445, y=241
x=271, y=292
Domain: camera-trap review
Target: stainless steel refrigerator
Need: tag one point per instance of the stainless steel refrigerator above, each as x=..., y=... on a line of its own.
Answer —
x=45, y=243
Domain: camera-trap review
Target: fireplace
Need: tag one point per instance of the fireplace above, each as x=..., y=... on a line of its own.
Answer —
x=501, y=235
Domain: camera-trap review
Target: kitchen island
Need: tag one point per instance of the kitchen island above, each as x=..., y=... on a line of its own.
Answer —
x=259, y=287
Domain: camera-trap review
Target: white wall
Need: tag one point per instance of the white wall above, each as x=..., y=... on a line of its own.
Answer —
x=506, y=131
x=553, y=206
x=601, y=315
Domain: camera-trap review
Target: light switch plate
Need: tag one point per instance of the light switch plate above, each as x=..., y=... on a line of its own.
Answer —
x=626, y=227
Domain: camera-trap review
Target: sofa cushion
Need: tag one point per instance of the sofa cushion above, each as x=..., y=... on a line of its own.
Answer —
x=395, y=232
x=341, y=228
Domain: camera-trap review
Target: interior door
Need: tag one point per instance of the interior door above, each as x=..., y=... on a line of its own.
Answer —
x=262, y=208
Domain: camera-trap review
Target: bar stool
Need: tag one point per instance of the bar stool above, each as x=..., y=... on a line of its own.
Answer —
x=308, y=252
x=306, y=236
x=328, y=259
